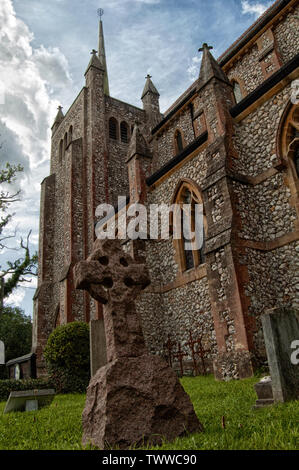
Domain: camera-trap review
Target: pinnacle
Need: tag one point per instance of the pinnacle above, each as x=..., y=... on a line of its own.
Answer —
x=138, y=144
x=59, y=116
x=149, y=87
x=210, y=67
x=94, y=61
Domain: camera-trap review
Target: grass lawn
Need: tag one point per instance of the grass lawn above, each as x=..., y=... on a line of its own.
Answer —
x=58, y=427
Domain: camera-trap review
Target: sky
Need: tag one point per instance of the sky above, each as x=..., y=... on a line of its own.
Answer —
x=44, y=51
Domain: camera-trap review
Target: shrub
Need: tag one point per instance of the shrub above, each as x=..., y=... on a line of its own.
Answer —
x=67, y=357
x=11, y=385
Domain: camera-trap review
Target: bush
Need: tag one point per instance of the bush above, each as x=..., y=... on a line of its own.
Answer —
x=67, y=357
x=11, y=385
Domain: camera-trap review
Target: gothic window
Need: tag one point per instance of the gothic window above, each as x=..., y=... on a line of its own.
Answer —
x=70, y=134
x=57, y=316
x=178, y=142
x=65, y=143
x=124, y=132
x=237, y=91
x=60, y=150
x=188, y=254
x=290, y=139
x=113, y=128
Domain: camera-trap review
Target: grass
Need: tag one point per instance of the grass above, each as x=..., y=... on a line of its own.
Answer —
x=58, y=427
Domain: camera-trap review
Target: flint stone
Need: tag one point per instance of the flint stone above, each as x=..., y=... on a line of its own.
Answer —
x=136, y=400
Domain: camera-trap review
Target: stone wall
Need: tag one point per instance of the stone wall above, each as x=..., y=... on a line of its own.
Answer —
x=255, y=135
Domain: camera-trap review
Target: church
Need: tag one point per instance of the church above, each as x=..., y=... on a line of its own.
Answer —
x=231, y=143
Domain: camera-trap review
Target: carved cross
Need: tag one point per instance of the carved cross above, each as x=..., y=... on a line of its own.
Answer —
x=112, y=277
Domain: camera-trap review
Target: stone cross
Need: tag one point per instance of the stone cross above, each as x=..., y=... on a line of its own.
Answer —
x=113, y=278
x=205, y=46
x=2, y=353
x=136, y=397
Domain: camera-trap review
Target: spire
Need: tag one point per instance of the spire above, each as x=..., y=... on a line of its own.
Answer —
x=149, y=87
x=102, y=57
x=210, y=67
x=138, y=144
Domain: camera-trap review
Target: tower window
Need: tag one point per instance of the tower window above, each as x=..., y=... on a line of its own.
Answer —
x=113, y=128
x=70, y=134
x=60, y=150
x=65, y=142
x=124, y=132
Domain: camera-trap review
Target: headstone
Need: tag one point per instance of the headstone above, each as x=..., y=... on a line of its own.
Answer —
x=28, y=400
x=281, y=333
x=136, y=397
x=2, y=353
x=17, y=372
x=264, y=392
x=97, y=345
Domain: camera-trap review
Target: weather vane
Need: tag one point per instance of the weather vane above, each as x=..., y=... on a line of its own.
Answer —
x=100, y=12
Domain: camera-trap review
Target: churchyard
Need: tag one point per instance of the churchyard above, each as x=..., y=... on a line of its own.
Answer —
x=224, y=409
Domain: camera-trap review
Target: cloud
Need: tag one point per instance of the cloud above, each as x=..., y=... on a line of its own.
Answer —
x=29, y=78
x=16, y=297
x=256, y=9
x=32, y=81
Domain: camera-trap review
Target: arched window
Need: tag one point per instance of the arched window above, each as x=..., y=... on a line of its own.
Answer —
x=190, y=250
x=70, y=134
x=237, y=91
x=113, y=124
x=178, y=142
x=124, y=132
x=57, y=316
x=65, y=143
x=289, y=138
x=60, y=150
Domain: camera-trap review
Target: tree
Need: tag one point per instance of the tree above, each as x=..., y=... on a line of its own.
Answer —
x=16, y=333
x=22, y=266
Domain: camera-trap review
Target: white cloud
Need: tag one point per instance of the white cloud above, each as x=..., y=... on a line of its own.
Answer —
x=193, y=69
x=256, y=9
x=30, y=77
x=16, y=297
x=26, y=74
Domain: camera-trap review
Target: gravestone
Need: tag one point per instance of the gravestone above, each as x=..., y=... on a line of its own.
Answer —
x=264, y=392
x=28, y=400
x=2, y=353
x=136, y=397
x=17, y=374
x=281, y=333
